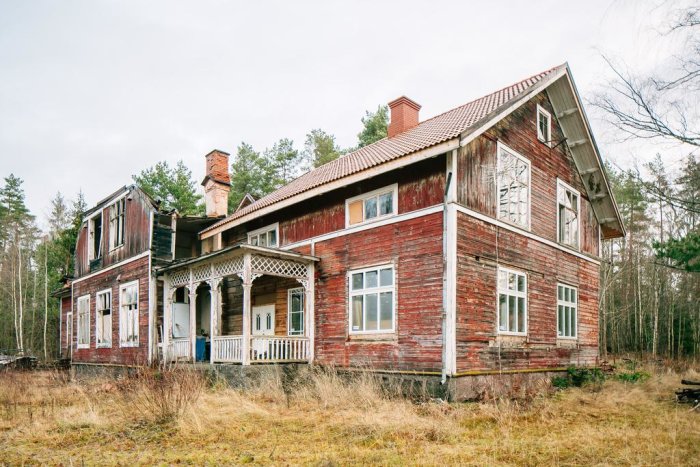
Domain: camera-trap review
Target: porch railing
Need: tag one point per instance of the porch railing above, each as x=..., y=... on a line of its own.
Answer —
x=227, y=348
x=279, y=349
x=180, y=349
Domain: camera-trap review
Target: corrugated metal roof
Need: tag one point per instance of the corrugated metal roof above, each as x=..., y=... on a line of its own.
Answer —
x=428, y=133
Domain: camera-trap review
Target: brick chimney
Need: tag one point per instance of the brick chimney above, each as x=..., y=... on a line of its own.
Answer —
x=404, y=115
x=217, y=184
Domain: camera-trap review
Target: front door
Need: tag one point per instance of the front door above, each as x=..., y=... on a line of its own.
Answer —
x=264, y=320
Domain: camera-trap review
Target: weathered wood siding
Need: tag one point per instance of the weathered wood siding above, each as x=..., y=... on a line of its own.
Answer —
x=65, y=309
x=134, y=270
x=137, y=228
x=476, y=174
x=480, y=248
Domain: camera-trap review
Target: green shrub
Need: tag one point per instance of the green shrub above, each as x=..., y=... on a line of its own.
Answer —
x=578, y=377
x=633, y=376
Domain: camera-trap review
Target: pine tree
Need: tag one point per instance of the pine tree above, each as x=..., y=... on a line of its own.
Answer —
x=374, y=126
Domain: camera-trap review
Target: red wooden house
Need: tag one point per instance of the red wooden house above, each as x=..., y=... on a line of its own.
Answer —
x=465, y=244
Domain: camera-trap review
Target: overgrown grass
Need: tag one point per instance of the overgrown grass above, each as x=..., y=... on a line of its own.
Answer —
x=326, y=418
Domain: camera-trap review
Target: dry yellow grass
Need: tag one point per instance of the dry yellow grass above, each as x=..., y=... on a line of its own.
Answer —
x=46, y=419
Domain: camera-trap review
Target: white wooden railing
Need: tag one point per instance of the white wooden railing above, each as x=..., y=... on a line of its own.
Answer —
x=227, y=348
x=180, y=349
x=279, y=349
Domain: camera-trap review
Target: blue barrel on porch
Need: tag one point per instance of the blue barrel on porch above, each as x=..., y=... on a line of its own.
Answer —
x=199, y=348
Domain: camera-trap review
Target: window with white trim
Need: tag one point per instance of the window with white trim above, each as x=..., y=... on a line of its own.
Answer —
x=513, y=181
x=116, y=224
x=372, y=299
x=84, y=322
x=544, y=125
x=371, y=206
x=568, y=207
x=267, y=236
x=103, y=319
x=567, y=311
x=95, y=237
x=512, y=301
x=129, y=314
x=295, y=315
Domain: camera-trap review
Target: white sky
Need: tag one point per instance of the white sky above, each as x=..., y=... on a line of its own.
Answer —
x=92, y=92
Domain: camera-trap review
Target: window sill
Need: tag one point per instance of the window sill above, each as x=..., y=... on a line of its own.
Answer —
x=103, y=346
x=82, y=346
x=513, y=224
x=371, y=221
x=374, y=337
x=505, y=340
x=570, y=247
x=123, y=345
x=567, y=342
x=118, y=247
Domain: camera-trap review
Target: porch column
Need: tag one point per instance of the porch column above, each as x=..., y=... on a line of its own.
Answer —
x=247, y=286
x=215, y=314
x=193, y=318
x=309, y=298
x=167, y=312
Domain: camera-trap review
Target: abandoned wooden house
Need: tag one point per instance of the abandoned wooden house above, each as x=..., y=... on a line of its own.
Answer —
x=465, y=244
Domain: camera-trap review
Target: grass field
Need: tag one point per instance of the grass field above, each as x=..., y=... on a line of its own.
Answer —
x=47, y=419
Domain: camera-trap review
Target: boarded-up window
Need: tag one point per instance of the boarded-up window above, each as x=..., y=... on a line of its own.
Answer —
x=374, y=205
x=356, y=208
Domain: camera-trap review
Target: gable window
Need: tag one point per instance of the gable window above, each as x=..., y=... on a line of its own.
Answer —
x=129, y=315
x=371, y=206
x=512, y=302
x=372, y=300
x=295, y=318
x=103, y=319
x=567, y=311
x=84, y=322
x=267, y=236
x=544, y=125
x=513, y=185
x=95, y=237
x=116, y=224
x=568, y=206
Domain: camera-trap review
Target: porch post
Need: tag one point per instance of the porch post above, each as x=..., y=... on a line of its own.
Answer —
x=247, y=286
x=310, y=322
x=214, y=318
x=193, y=319
x=167, y=312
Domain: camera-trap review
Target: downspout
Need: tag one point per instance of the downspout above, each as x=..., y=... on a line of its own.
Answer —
x=443, y=380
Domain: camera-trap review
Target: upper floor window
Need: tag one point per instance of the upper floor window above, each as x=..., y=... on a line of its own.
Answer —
x=513, y=179
x=372, y=300
x=512, y=301
x=567, y=311
x=103, y=319
x=129, y=314
x=544, y=125
x=568, y=206
x=267, y=236
x=371, y=206
x=95, y=237
x=116, y=224
x=84, y=322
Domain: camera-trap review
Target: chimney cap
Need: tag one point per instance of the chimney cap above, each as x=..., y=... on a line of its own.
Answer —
x=217, y=150
x=404, y=100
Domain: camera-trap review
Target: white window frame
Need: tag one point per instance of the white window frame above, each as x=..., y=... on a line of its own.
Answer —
x=123, y=342
x=563, y=185
x=98, y=344
x=499, y=148
x=393, y=188
x=546, y=139
x=375, y=290
x=117, y=230
x=572, y=305
x=265, y=230
x=514, y=293
x=79, y=345
x=290, y=292
x=92, y=254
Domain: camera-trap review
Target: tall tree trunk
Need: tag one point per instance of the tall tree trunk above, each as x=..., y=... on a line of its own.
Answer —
x=46, y=295
x=20, y=347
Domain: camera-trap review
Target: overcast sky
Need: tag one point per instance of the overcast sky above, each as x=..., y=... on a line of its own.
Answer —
x=92, y=92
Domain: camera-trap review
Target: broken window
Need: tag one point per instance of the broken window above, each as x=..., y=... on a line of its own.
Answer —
x=513, y=187
x=370, y=206
x=103, y=319
x=129, y=315
x=95, y=237
x=568, y=204
x=116, y=224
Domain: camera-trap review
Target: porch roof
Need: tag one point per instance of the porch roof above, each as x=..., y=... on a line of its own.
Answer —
x=243, y=248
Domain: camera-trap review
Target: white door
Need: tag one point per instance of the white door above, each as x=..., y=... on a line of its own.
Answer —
x=264, y=320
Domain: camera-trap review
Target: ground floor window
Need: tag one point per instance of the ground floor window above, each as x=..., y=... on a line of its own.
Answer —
x=129, y=315
x=103, y=319
x=567, y=310
x=372, y=300
x=512, y=301
x=295, y=318
x=84, y=322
